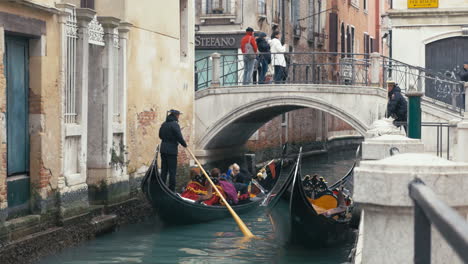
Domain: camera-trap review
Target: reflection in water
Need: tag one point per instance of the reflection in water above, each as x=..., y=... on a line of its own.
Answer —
x=213, y=242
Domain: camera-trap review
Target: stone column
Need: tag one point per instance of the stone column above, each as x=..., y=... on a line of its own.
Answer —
x=215, y=76
x=73, y=190
x=462, y=133
x=375, y=68
x=387, y=224
x=101, y=101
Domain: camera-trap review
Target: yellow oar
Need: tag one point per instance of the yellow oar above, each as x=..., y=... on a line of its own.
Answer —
x=245, y=230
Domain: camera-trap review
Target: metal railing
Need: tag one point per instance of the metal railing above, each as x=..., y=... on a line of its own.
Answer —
x=437, y=88
x=430, y=210
x=439, y=135
x=332, y=68
x=305, y=68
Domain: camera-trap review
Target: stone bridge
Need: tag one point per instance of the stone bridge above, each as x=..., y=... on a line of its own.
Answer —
x=227, y=116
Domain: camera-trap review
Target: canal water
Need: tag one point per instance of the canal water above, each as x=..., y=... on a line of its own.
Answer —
x=213, y=242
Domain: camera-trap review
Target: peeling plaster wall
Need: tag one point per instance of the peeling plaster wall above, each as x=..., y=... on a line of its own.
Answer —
x=158, y=79
x=44, y=102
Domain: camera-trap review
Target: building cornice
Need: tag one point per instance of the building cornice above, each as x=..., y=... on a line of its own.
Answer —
x=426, y=12
x=34, y=5
x=206, y=32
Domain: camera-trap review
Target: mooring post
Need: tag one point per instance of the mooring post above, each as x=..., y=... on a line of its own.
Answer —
x=414, y=113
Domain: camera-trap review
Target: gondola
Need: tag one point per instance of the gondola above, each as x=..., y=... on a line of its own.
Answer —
x=173, y=209
x=308, y=225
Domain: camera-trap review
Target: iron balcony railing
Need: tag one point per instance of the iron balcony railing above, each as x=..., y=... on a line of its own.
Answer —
x=430, y=210
x=440, y=135
x=334, y=68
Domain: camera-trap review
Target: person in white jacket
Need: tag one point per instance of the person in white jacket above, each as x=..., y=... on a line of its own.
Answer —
x=278, y=60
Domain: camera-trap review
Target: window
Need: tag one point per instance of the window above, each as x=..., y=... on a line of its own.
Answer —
x=294, y=11
x=372, y=43
x=342, y=40
x=87, y=4
x=277, y=12
x=333, y=33
x=348, y=40
x=310, y=21
x=262, y=7
x=365, y=5
x=218, y=6
x=366, y=44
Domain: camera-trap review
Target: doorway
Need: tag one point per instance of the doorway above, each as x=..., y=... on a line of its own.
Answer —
x=17, y=76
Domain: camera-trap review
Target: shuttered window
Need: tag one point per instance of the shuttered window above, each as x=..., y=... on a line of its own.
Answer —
x=333, y=33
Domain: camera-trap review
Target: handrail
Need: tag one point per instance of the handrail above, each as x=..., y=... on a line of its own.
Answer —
x=429, y=209
x=331, y=68
x=439, y=136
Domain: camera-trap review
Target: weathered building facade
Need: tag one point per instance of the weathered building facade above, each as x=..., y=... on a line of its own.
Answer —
x=436, y=31
x=84, y=87
x=304, y=24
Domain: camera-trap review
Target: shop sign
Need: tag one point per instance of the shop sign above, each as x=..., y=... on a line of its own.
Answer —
x=218, y=41
x=423, y=3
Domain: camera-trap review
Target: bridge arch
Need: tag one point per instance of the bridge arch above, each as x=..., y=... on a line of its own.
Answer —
x=235, y=128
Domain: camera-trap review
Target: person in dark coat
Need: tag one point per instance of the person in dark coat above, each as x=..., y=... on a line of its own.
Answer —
x=464, y=77
x=171, y=137
x=464, y=72
x=264, y=57
x=397, y=106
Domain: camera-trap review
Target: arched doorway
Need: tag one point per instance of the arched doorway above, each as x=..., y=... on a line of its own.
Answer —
x=446, y=57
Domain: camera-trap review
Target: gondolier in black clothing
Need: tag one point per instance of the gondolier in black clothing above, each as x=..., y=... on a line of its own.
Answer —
x=397, y=106
x=171, y=137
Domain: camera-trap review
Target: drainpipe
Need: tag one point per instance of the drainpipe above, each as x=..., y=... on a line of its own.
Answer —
x=283, y=18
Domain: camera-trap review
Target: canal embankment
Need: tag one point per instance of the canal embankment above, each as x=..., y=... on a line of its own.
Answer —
x=27, y=239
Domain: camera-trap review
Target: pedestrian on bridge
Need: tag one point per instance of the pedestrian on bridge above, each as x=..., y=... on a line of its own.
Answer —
x=171, y=137
x=265, y=56
x=397, y=107
x=278, y=60
x=249, y=49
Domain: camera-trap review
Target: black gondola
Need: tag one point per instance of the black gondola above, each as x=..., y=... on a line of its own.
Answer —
x=173, y=209
x=309, y=226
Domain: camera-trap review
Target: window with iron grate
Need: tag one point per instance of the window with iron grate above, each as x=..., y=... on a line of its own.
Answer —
x=87, y=4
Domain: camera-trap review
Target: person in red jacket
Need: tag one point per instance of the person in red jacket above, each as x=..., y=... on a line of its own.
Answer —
x=249, y=49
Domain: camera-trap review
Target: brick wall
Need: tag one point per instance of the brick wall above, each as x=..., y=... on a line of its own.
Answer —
x=304, y=125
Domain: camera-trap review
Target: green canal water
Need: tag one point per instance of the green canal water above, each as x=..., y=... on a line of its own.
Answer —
x=214, y=242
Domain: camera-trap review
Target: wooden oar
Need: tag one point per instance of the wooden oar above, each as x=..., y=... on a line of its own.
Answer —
x=245, y=230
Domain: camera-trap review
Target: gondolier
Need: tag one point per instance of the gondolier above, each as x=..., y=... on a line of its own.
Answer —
x=171, y=137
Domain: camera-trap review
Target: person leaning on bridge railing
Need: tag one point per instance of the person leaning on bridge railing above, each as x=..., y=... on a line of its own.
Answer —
x=397, y=107
x=249, y=49
x=278, y=59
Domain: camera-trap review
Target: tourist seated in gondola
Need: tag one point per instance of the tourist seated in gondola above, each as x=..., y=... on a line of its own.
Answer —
x=197, y=189
x=240, y=179
x=267, y=175
x=228, y=187
x=216, y=199
x=200, y=190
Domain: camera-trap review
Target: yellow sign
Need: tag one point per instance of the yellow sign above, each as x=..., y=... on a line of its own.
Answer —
x=423, y=3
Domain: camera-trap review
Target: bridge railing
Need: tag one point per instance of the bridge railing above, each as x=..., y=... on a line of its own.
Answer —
x=430, y=210
x=328, y=68
x=438, y=88
x=300, y=68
